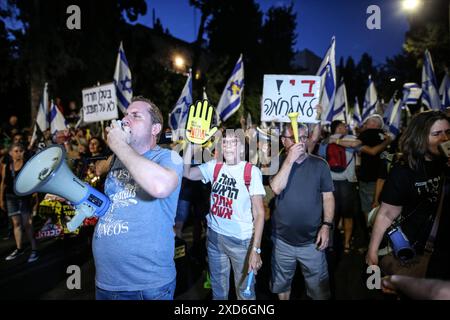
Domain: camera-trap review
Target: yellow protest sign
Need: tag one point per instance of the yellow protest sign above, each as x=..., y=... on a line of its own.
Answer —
x=198, y=124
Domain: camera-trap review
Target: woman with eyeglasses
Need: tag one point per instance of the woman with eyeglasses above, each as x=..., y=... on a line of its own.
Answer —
x=18, y=208
x=236, y=215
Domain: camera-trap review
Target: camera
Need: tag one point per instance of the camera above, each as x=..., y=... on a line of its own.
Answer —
x=400, y=244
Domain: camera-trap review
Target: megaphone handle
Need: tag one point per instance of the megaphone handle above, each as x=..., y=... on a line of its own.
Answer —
x=76, y=221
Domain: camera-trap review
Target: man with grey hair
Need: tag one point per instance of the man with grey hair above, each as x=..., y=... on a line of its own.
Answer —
x=374, y=141
x=303, y=187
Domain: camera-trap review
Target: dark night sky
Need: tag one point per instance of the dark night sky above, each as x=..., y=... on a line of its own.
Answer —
x=317, y=22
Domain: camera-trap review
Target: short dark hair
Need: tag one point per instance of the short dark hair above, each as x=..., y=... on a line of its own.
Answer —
x=334, y=125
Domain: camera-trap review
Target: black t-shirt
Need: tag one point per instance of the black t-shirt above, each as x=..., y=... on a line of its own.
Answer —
x=298, y=208
x=417, y=192
x=370, y=164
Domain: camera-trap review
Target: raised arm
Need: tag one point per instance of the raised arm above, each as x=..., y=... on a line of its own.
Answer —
x=156, y=180
x=189, y=172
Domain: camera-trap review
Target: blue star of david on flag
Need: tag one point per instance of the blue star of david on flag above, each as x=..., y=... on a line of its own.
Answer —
x=122, y=81
x=231, y=98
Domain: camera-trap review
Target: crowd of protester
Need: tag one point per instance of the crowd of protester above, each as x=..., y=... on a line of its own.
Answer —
x=333, y=202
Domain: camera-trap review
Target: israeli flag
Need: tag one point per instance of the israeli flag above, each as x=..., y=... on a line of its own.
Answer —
x=57, y=121
x=42, y=115
x=394, y=120
x=122, y=81
x=327, y=73
x=370, y=100
x=230, y=100
x=178, y=116
x=388, y=110
x=411, y=93
x=340, y=104
x=430, y=94
x=444, y=92
x=356, y=113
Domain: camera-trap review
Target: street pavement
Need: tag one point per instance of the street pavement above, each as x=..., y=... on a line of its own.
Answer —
x=46, y=278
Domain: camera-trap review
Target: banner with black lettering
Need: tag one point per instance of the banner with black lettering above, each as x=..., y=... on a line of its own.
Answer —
x=283, y=94
x=100, y=103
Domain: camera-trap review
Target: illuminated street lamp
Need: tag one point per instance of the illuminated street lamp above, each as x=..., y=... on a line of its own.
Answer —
x=410, y=5
x=179, y=62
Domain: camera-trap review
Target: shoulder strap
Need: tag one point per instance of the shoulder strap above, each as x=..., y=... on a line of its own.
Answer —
x=248, y=175
x=11, y=168
x=432, y=237
x=217, y=169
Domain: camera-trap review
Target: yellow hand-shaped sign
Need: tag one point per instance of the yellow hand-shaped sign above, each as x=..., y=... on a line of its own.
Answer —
x=199, y=121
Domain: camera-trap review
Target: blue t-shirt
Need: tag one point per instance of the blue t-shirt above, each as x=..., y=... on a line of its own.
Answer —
x=134, y=242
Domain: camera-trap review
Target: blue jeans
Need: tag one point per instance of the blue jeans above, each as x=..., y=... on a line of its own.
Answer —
x=163, y=293
x=224, y=252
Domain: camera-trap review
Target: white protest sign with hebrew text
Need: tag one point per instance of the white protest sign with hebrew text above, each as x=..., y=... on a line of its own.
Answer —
x=100, y=103
x=283, y=94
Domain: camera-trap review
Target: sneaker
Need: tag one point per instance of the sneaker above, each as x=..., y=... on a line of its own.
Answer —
x=33, y=256
x=14, y=254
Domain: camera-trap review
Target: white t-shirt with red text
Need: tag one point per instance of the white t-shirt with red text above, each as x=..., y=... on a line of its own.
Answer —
x=230, y=212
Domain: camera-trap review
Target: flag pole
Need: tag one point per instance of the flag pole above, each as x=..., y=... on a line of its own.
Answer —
x=103, y=130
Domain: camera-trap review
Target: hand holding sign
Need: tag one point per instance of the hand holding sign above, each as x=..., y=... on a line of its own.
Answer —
x=199, y=121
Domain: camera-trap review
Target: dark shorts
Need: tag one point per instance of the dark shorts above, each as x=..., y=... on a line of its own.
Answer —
x=17, y=205
x=345, y=197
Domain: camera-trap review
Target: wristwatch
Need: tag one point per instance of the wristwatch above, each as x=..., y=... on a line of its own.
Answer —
x=257, y=250
x=328, y=224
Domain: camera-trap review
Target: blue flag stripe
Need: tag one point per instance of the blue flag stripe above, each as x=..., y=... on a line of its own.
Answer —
x=224, y=114
x=123, y=101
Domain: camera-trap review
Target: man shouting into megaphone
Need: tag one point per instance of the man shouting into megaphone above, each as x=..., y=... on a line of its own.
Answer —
x=134, y=241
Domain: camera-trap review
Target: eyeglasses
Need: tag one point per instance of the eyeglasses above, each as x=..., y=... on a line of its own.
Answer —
x=230, y=142
x=301, y=138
